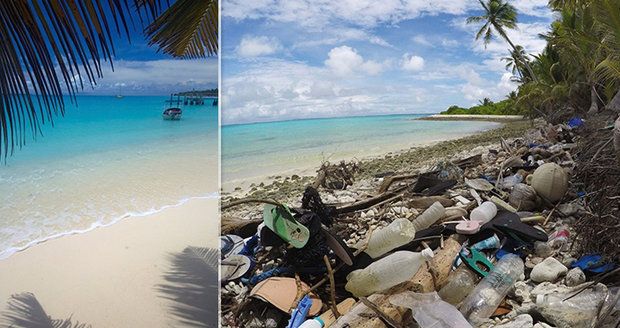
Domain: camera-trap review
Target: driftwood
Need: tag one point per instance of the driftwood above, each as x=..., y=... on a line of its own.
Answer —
x=240, y=227
x=336, y=176
x=387, y=182
x=364, y=204
x=422, y=281
x=617, y=139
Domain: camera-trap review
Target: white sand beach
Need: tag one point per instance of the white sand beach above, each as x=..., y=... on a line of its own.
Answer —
x=116, y=276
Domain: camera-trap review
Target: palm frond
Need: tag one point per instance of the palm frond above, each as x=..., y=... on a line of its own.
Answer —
x=608, y=69
x=192, y=286
x=25, y=311
x=188, y=29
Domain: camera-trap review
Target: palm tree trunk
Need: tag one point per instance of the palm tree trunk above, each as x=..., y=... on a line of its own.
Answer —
x=614, y=104
x=617, y=139
x=525, y=62
x=593, y=101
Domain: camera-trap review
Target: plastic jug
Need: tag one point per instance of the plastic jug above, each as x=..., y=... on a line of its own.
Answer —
x=386, y=272
x=489, y=293
x=398, y=233
x=430, y=216
x=312, y=323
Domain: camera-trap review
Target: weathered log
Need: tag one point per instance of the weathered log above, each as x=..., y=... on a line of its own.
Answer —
x=426, y=202
x=387, y=182
x=364, y=204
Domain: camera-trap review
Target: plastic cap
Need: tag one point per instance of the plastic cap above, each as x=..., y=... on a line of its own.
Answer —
x=320, y=321
x=427, y=253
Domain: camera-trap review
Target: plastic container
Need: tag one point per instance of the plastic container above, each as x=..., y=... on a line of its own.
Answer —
x=460, y=283
x=489, y=293
x=558, y=238
x=312, y=323
x=577, y=312
x=484, y=213
x=386, y=272
x=430, y=216
x=398, y=233
x=511, y=181
x=429, y=311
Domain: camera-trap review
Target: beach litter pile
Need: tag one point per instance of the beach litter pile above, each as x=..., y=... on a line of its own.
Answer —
x=501, y=237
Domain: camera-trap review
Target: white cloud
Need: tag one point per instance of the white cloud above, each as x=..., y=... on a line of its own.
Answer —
x=421, y=40
x=412, y=63
x=368, y=13
x=256, y=46
x=278, y=90
x=156, y=77
x=339, y=35
x=346, y=61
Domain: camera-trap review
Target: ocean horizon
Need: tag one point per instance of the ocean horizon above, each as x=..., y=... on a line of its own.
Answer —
x=257, y=149
x=106, y=160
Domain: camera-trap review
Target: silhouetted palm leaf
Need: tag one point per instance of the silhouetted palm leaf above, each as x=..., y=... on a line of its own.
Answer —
x=51, y=48
x=188, y=29
x=192, y=284
x=24, y=311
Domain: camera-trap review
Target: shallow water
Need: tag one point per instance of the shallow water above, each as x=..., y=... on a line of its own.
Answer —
x=107, y=159
x=252, y=150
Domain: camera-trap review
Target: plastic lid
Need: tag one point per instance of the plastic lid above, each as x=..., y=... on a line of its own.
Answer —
x=320, y=321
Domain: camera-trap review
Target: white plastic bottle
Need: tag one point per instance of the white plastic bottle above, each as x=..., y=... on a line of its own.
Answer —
x=386, y=272
x=489, y=293
x=396, y=234
x=484, y=213
x=312, y=323
x=430, y=216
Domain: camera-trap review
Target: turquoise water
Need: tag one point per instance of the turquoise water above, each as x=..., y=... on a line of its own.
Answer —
x=252, y=150
x=107, y=159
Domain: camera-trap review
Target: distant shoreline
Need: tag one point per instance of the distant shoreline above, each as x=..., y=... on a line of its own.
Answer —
x=462, y=117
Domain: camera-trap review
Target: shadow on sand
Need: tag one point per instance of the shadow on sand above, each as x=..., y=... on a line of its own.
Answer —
x=24, y=311
x=192, y=286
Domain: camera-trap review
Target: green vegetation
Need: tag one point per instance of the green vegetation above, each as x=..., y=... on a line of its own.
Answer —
x=487, y=107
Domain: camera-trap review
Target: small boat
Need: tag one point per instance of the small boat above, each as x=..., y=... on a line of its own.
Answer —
x=173, y=113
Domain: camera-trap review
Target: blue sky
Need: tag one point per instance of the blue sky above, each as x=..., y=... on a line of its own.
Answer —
x=287, y=59
x=141, y=70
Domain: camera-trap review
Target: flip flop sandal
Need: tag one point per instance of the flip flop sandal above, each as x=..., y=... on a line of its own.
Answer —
x=280, y=220
x=230, y=244
x=235, y=267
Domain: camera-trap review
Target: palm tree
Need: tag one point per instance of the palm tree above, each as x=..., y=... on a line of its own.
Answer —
x=51, y=48
x=485, y=102
x=515, y=65
x=498, y=16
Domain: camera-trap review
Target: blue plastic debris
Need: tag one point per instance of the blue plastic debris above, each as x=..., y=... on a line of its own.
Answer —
x=593, y=263
x=575, y=122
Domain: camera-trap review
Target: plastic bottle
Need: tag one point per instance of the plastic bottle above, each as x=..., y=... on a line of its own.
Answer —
x=386, y=272
x=460, y=283
x=484, y=213
x=577, y=311
x=489, y=293
x=312, y=323
x=511, y=181
x=398, y=233
x=429, y=311
x=430, y=216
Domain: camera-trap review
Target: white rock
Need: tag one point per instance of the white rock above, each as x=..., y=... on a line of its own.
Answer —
x=542, y=325
x=548, y=270
x=521, y=321
x=575, y=277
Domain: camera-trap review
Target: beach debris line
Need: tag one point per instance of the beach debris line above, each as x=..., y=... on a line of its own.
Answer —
x=336, y=176
x=488, y=240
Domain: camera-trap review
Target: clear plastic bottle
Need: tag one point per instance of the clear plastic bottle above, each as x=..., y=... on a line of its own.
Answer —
x=396, y=234
x=484, y=213
x=430, y=216
x=460, y=283
x=577, y=311
x=386, y=272
x=489, y=293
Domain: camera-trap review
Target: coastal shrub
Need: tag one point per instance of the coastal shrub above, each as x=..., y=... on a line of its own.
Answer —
x=504, y=107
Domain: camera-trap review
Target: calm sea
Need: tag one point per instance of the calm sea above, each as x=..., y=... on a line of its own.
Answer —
x=107, y=159
x=252, y=150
